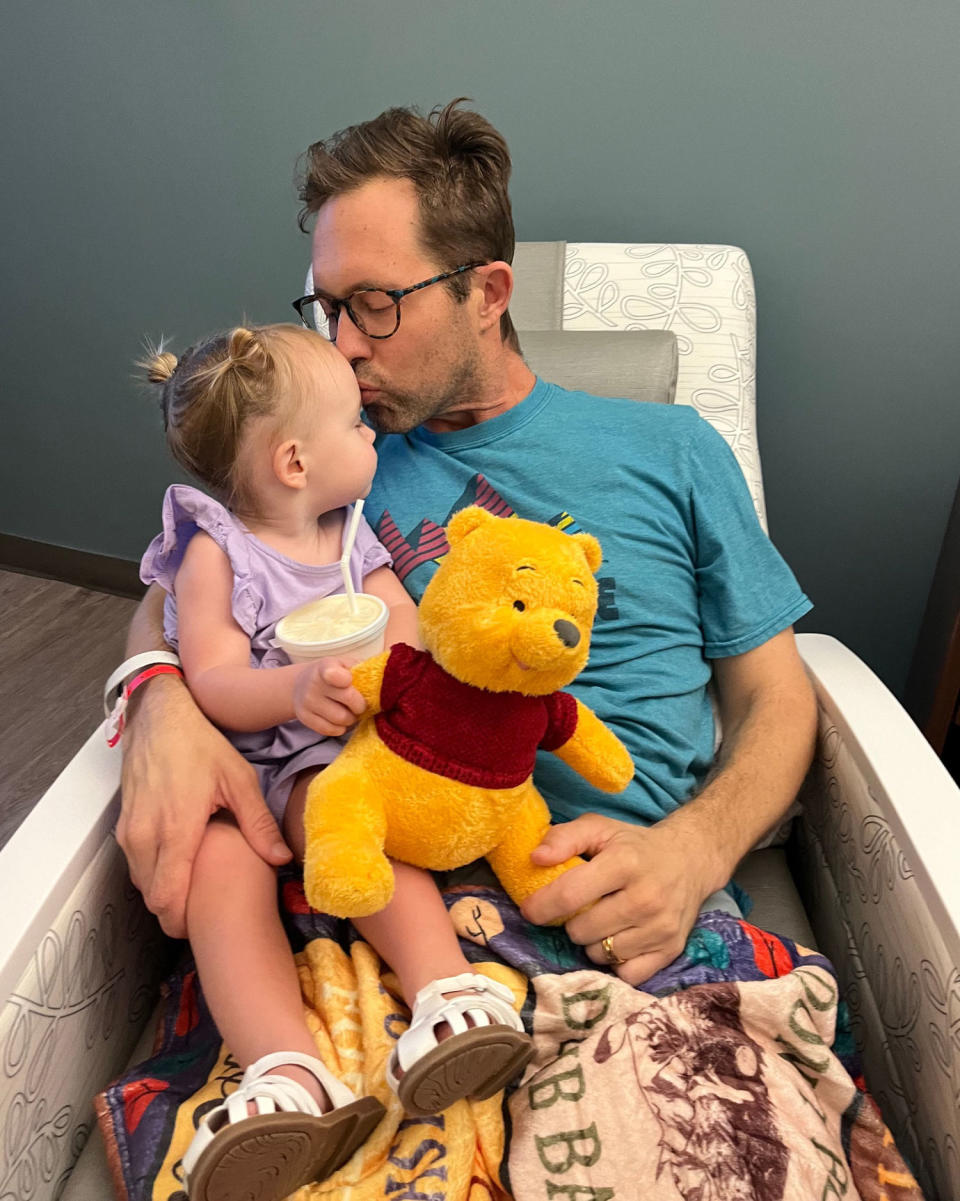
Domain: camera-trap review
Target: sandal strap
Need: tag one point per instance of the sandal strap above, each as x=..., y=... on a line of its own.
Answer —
x=337, y=1091
x=270, y=1093
x=485, y=1001
x=478, y=991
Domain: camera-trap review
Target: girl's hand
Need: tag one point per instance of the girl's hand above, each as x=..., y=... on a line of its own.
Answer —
x=325, y=699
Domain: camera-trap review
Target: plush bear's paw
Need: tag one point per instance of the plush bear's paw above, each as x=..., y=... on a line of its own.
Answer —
x=618, y=769
x=525, y=884
x=350, y=882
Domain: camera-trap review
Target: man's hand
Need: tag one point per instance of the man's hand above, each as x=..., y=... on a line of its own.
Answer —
x=325, y=699
x=178, y=770
x=644, y=885
x=642, y=888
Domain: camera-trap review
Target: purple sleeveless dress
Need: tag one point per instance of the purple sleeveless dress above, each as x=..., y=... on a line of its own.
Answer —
x=266, y=586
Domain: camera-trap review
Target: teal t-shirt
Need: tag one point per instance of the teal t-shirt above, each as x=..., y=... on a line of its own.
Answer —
x=688, y=575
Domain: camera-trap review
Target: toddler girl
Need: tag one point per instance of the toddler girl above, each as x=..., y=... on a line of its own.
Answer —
x=269, y=420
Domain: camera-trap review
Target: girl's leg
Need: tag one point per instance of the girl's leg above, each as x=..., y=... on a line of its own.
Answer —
x=243, y=956
x=413, y=933
x=445, y=1055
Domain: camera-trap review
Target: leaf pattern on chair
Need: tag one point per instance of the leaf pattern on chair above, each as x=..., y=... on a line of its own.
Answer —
x=898, y=978
x=91, y=981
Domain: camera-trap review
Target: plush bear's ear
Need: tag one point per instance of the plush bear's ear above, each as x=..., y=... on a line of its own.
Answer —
x=466, y=521
x=591, y=548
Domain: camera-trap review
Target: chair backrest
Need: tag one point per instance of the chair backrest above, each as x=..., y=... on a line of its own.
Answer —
x=702, y=294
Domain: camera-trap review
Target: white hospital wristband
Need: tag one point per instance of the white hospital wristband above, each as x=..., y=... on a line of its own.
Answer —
x=129, y=668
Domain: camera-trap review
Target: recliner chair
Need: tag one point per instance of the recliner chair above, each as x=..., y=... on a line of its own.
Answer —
x=872, y=855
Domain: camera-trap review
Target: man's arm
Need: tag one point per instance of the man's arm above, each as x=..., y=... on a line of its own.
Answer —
x=178, y=770
x=645, y=886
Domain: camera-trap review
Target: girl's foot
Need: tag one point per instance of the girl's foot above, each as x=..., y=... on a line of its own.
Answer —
x=485, y=1047
x=289, y=1142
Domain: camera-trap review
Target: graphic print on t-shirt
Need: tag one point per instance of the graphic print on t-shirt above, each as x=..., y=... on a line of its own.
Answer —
x=427, y=541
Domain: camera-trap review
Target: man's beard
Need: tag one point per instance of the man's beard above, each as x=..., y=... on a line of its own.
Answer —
x=404, y=411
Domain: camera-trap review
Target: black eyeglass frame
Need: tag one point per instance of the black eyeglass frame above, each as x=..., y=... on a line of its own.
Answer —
x=395, y=294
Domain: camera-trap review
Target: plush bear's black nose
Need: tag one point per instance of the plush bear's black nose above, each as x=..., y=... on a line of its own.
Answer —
x=567, y=632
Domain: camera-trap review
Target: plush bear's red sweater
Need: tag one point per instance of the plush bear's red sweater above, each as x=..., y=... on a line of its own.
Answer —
x=488, y=739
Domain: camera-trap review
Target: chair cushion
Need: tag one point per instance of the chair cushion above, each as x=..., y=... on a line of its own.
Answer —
x=636, y=364
x=777, y=907
x=537, y=301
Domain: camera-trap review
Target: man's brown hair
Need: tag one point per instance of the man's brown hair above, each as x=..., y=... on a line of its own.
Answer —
x=459, y=165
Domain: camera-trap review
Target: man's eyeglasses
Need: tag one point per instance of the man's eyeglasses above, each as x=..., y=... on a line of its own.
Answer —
x=374, y=311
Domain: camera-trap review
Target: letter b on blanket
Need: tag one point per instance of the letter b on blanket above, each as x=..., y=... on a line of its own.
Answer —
x=544, y=1093
x=571, y=1140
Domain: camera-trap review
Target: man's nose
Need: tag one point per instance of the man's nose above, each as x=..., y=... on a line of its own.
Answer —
x=352, y=342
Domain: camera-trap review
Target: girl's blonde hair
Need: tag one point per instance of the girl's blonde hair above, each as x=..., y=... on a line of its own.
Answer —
x=209, y=395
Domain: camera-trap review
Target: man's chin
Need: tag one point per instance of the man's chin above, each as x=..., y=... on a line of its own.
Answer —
x=379, y=418
x=388, y=421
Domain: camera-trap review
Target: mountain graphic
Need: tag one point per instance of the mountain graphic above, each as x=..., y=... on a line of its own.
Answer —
x=427, y=541
x=480, y=492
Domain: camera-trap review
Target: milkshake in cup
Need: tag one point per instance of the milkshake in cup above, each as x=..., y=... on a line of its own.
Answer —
x=329, y=628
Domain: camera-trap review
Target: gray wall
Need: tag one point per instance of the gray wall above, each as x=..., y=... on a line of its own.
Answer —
x=148, y=163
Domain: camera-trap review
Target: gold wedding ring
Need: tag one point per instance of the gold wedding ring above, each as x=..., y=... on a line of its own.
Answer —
x=611, y=955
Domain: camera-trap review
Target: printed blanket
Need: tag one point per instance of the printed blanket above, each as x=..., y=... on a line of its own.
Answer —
x=730, y=1076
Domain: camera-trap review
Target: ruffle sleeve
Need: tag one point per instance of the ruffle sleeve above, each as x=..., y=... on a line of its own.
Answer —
x=185, y=511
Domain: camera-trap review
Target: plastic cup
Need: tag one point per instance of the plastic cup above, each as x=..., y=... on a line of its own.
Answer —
x=327, y=628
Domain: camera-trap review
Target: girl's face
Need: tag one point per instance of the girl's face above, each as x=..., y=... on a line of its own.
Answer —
x=338, y=446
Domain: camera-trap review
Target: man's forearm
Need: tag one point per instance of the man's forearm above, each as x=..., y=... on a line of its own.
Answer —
x=761, y=767
x=146, y=628
x=146, y=634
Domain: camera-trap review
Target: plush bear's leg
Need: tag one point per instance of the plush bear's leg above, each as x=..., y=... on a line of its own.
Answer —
x=345, y=870
x=511, y=860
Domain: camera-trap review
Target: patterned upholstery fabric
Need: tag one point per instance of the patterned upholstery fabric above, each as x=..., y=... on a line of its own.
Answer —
x=898, y=974
x=75, y=1014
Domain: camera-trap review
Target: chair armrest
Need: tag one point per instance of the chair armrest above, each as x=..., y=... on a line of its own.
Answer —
x=908, y=783
x=875, y=861
x=80, y=962
x=49, y=852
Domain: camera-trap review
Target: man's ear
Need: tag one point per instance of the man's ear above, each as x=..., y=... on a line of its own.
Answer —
x=288, y=464
x=496, y=282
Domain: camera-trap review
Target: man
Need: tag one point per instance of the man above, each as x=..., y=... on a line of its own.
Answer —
x=412, y=245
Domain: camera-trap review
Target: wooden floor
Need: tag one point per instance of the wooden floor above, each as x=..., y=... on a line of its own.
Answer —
x=58, y=644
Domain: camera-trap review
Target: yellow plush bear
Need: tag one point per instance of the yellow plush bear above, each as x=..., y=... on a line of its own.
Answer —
x=438, y=771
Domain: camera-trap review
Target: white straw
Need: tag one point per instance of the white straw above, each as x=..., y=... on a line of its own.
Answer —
x=347, y=551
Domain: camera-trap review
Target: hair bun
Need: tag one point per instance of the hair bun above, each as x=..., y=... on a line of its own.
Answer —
x=159, y=366
x=246, y=349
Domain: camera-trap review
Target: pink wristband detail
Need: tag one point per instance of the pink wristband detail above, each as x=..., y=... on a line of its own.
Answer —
x=117, y=719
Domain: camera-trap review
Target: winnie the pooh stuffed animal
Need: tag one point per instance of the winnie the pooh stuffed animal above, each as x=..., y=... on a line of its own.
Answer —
x=438, y=770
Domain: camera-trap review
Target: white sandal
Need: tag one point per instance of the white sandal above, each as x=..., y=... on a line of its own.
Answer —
x=476, y=1061
x=287, y=1143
